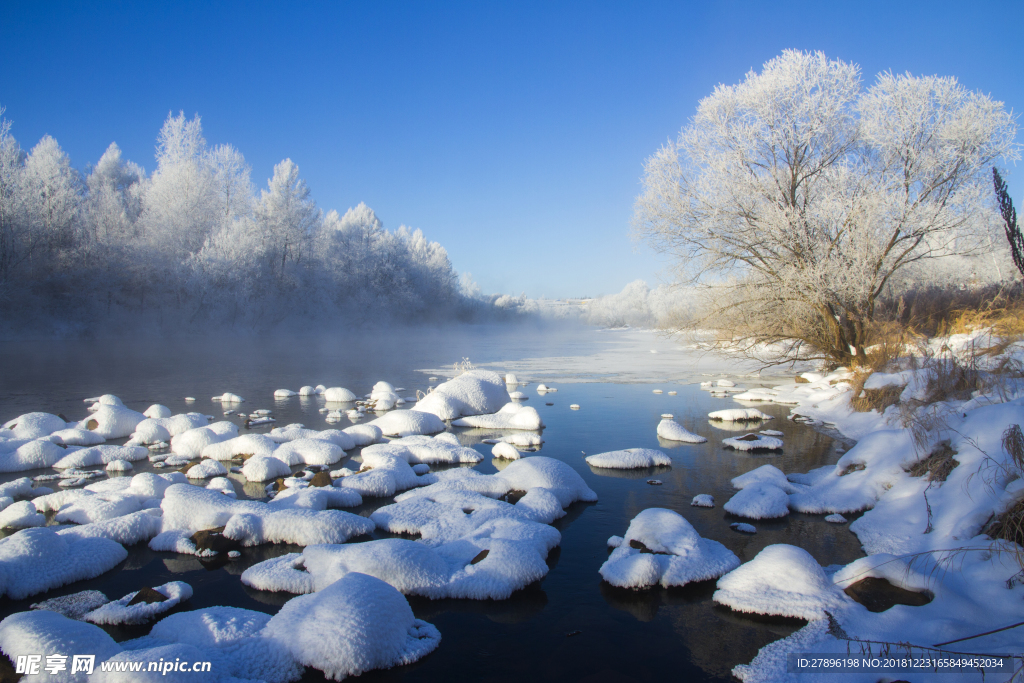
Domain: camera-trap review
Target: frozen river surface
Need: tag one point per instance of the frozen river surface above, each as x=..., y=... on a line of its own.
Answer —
x=570, y=626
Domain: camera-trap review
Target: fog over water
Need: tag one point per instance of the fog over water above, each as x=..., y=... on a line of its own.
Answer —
x=570, y=625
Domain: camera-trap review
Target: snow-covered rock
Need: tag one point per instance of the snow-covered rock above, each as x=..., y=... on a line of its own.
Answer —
x=120, y=612
x=661, y=547
x=356, y=624
x=408, y=423
x=476, y=392
x=631, y=458
x=782, y=580
x=739, y=415
x=670, y=430
x=511, y=416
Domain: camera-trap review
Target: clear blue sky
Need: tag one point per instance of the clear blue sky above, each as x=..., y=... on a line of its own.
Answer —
x=513, y=133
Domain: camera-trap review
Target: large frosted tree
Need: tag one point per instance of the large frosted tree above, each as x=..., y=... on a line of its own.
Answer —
x=796, y=196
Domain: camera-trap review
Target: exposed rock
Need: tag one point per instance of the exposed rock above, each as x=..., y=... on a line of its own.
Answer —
x=214, y=540
x=321, y=479
x=147, y=595
x=480, y=556
x=879, y=595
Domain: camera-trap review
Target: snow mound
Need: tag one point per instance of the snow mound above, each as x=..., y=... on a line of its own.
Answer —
x=408, y=423
x=206, y=469
x=631, y=458
x=354, y=625
x=265, y=468
x=443, y=448
x=190, y=444
x=21, y=515
x=703, y=500
x=29, y=455
x=45, y=632
x=476, y=392
x=759, y=500
x=768, y=474
x=240, y=446
x=511, y=416
x=284, y=393
x=339, y=395
x=120, y=612
x=34, y=425
x=671, y=430
x=129, y=529
x=101, y=455
x=505, y=451
x=75, y=437
x=782, y=580
x=363, y=435
x=661, y=547
x=37, y=560
x=157, y=429
x=112, y=421
x=157, y=410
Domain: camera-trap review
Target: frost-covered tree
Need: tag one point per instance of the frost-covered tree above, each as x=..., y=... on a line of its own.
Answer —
x=181, y=207
x=287, y=218
x=113, y=201
x=798, y=197
x=51, y=192
x=231, y=177
x=12, y=233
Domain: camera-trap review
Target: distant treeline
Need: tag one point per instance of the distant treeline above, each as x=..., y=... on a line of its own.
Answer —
x=194, y=246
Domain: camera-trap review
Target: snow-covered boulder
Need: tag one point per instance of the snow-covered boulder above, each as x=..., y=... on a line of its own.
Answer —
x=354, y=625
x=339, y=395
x=476, y=392
x=670, y=430
x=157, y=429
x=34, y=425
x=120, y=612
x=782, y=580
x=630, y=458
x=408, y=423
x=112, y=422
x=505, y=451
x=511, y=416
x=29, y=455
x=101, y=455
x=156, y=410
x=244, y=446
x=761, y=500
x=36, y=560
x=364, y=435
x=661, y=547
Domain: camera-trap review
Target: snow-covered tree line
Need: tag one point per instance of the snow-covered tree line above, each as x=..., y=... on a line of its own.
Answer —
x=195, y=245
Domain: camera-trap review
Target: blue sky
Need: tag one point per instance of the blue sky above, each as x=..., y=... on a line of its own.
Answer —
x=512, y=133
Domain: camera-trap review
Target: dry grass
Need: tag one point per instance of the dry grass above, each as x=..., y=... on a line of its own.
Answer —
x=801, y=380
x=937, y=465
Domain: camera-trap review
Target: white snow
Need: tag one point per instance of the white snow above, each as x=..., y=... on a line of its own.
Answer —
x=475, y=392
x=759, y=500
x=34, y=425
x=36, y=560
x=339, y=395
x=408, y=423
x=631, y=458
x=112, y=421
x=156, y=429
x=356, y=624
x=661, y=547
x=157, y=410
x=782, y=580
x=505, y=451
x=511, y=416
x=703, y=500
x=101, y=455
x=671, y=430
x=119, y=612
x=246, y=444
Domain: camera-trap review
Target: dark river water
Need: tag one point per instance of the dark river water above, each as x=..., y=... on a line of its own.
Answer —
x=570, y=626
